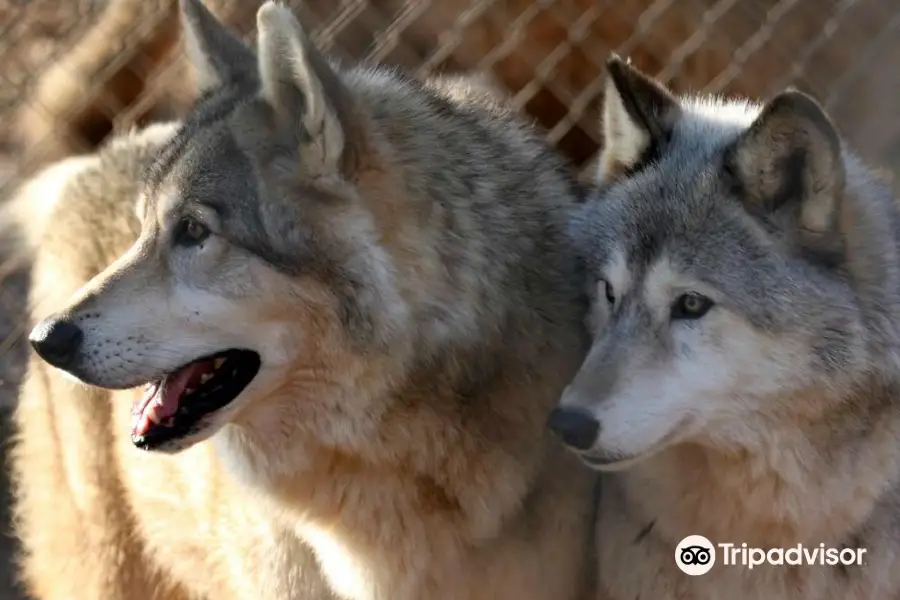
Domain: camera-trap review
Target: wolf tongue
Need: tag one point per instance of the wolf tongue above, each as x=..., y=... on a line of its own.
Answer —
x=165, y=400
x=174, y=385
x=140, y=404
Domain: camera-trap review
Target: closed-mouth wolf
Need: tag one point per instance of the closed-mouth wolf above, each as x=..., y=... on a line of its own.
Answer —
x=351, y=300
x=743, y=380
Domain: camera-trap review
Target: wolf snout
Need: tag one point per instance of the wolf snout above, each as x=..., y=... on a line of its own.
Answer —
x=575, y=428
x=57, y=341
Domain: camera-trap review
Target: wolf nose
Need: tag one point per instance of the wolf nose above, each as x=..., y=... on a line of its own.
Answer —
x=575, y=428
x=56, y=341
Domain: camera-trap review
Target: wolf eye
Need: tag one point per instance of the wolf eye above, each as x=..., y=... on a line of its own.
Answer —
x=190, y=232
x=607, y=290
x=691, y=306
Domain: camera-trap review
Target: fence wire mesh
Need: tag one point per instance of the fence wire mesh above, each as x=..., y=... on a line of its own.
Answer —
x=72, y=72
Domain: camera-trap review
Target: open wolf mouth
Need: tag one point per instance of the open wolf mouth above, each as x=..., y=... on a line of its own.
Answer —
x=172, y=408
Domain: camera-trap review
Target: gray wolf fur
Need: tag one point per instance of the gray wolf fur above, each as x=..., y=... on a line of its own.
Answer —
x=395, y=255
x=743, y=380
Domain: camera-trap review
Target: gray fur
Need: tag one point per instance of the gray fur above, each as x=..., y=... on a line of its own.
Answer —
x=233, y=156
x=481, y=183
x=687, y=206
x=772, y=419
x=395, y=252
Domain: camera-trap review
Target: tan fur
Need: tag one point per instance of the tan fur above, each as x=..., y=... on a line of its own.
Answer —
x=401, y=484
x=89, y=528
x=91, y=522
x=737, y=497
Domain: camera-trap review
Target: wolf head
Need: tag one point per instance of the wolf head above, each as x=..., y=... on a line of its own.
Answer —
x=318, y=244
x=741, y=264
x=245, y=213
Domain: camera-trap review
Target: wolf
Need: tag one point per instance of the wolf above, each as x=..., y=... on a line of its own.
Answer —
x=351, y=302
x=742, y=384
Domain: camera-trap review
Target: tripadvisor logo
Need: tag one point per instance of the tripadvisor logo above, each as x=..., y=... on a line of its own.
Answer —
x=696, y=555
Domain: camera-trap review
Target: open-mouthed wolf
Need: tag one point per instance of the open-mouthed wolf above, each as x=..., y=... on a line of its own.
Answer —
x=743, y=381
x=350, y=300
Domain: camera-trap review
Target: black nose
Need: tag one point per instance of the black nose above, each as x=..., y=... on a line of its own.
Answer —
x=57, y=341
x=575, y=428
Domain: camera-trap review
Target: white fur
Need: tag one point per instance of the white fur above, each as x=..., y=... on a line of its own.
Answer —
x=624, y=140
x=617, y=273
x=205, y=75
x=283, y=58
x=29, y=210
x=720, y=370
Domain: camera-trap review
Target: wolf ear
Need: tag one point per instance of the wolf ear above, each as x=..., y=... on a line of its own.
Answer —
x=215, y=53
x=791, y=153
x=304, y=91
x=639, y=113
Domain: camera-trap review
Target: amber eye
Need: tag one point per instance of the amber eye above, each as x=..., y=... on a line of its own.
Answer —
x=190, y=232
x=691, y=306
x=607, y=290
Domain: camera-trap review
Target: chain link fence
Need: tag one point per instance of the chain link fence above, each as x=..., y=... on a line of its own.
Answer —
x=73, y=72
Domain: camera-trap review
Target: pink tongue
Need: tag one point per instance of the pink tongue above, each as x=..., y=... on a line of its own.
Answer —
x=160, y=400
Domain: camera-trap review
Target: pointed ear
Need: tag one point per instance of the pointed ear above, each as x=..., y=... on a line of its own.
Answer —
x=639, y=114
x=216, y=54
x=790, y=156
x=305, y=92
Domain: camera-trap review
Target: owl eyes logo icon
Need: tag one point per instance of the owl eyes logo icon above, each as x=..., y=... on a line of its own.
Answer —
x=695, y=555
